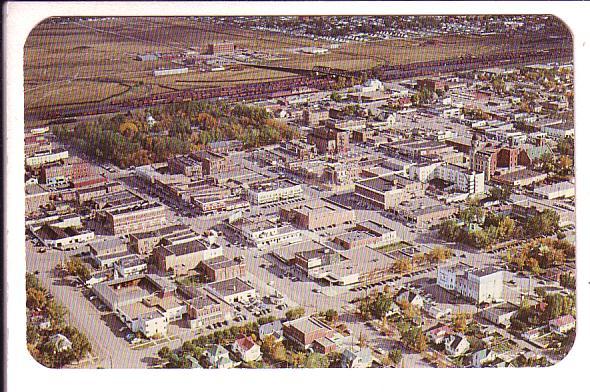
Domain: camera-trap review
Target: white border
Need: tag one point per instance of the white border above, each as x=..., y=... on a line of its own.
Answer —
x=24, y=373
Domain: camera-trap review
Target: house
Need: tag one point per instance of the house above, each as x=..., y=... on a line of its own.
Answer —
x=357, y=357
x=246, y=348
x=274, y=328
x=218, y=357
x=562, y=324
x=194, y=363
x=394, y=309
x=412, y=297
x=60, y=343
x=481, y=357
x=456, y=345
x=437, y=335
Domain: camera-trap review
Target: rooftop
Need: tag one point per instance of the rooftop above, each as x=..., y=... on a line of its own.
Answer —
x=229, y=287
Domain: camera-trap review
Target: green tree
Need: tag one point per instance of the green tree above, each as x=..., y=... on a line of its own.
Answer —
x=296, y=313
x=568, y=280
x=331, y=315
x=316, y=360
x=36, y=298
x=381, y=305
x=395, y=356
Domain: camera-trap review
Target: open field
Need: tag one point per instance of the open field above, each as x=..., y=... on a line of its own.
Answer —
x=92, y=61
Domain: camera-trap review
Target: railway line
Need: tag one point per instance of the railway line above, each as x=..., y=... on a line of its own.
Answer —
x=308, y=80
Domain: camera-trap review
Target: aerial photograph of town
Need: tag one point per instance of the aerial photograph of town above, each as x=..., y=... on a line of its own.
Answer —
x=286, y=192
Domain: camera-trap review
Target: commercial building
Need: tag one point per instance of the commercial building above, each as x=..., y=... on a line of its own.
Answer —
x=222, y=268
x=264, y=233
x=311, y=259
x=330, y=140
x=144, y=303
x=185, y=164
x=203, y=309
x=232, y=290
x=170, y=71
x=305, y=330
x=315, y=214
x=523, y=177
x=130, y=265
x=479, y=285
x=224, y=47
x=143, y=243
x=182, y=257
x=61, y=175
x=273, y=190
x=556, y=191
x=44, y=157
x=313, y=117
x=62, y=238
x=146, y=57
x=424, y=212
x=132, y=218
x=387, y=191
x=500, y=314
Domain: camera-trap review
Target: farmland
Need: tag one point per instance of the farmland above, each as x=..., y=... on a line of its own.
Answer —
x=93, y=61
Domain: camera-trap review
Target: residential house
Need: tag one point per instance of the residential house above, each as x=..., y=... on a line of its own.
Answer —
x=412, y=297
x=60, y=343
x=437, y=335
x=357, y=357
x=481, y=357
x=246, y=348
x=562, y=324
x=274, y=328
x=456, y=345
x=218, y=357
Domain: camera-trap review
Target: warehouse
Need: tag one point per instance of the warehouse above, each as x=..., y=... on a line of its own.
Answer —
x=555, y=191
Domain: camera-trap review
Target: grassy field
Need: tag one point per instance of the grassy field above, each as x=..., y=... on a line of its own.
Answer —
x=94, y=61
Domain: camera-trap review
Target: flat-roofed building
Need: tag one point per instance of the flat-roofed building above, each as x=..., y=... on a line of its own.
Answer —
x=385, y=233
x=60, y=175
x=63, y=238
x=44, y=157
x=386, y=192
x=263, y=233
x=224, y=47
x=500, y=314
x=106, y=247
x=222, y=268
x=523, y=177
x=479, y=285
x=424, y=212
x=273, y=190
x=132, y=217
x=203, y=309
x=555, y=191
x=315, y=214
x=130, y=265
x=305, y=330
x=183, y=257
x=185, y=164
x=232, y=290
x=316, y=258
x=144, y=243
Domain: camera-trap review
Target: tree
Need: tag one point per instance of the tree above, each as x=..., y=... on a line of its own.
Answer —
x=460, y=322
x=165, y=353
x=296, y=313
x=559, y=305
x=403, y=265
x=298, y=358
x=36, y=298
x=331, y=315
x=506, y=228
x=316, y=360
x=439, y=253
x=545, y=223
x=395, y=356
x=568, y=280
x=449, y=230
x=381, y=305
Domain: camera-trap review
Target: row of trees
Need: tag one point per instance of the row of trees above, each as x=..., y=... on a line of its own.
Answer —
x=375, y=307
x=38, y=343
x=533, y=316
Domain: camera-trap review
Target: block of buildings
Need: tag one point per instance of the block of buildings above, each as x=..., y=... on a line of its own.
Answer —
x=385, y=192
x=143, y=243
x=44, y=157
x=263, y=233
x=203, y=309
x=132, y=218
x=145, y=303
x=555, y=191
x=182, y=257
x=315, y=214
x=224, y=47
x=273, y=190
x=329, y=140
x=424, y=212
x=523, y=177
x=500, y=314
